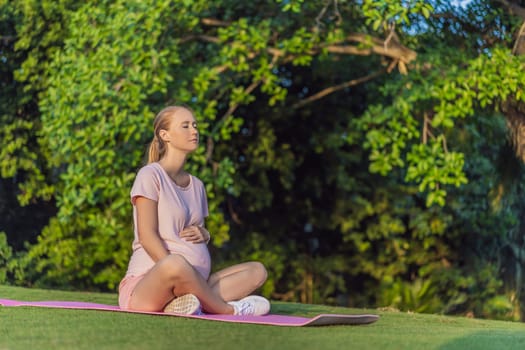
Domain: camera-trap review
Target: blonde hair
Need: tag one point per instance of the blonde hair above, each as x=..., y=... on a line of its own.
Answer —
x=162, y=121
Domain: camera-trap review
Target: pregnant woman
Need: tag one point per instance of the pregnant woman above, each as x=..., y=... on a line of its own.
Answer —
x=169, y=268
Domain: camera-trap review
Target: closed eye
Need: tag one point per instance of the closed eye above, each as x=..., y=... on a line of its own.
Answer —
x=187, y=125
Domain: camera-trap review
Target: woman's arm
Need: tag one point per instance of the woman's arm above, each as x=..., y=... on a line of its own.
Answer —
x=148, y=228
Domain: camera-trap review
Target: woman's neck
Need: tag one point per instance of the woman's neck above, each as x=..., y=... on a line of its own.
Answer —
x=173, y=164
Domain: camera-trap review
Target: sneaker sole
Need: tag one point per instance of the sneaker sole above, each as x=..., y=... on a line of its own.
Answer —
x=187, y=304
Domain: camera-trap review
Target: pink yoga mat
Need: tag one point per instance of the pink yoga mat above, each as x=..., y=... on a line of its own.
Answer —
x=274, y=320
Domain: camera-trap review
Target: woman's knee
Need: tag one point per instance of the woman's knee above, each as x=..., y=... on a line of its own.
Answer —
x=259, y=273
x=175, y=266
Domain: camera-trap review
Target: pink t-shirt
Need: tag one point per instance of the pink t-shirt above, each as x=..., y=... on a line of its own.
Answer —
x=178, y=207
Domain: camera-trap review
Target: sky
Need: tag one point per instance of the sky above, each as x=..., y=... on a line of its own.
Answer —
x=461, y=3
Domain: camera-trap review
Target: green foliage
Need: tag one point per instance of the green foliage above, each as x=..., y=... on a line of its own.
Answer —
x=431, y=166
x=38, y=32
x=101, y=81
x=14, y=265
x=5, y=256
x=476, y=293
x=383, y=13
x=488, y=80
x=259, y=248
x=419, y=296
x=291, y=5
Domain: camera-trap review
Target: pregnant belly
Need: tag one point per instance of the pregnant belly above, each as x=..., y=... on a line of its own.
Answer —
x=196, y=254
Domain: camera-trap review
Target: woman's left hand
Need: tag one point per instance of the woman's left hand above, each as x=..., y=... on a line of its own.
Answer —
x=195, y=234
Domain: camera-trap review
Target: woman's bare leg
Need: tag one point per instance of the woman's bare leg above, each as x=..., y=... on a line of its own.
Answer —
x=171, y=277
x=237, y=281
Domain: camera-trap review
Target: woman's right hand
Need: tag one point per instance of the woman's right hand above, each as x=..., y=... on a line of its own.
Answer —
x=195, y=234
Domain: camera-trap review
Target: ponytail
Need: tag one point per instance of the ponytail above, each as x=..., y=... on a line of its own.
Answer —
x=156, y=150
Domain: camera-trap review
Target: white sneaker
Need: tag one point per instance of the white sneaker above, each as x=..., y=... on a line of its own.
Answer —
x=251, y=305
x=187, y=304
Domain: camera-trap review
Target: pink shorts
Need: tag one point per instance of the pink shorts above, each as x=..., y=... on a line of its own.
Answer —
x=125, y=290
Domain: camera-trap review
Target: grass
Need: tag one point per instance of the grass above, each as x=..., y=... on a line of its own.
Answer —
x=41, y=328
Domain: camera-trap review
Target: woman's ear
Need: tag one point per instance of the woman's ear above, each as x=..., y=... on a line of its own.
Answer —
x=164, y=135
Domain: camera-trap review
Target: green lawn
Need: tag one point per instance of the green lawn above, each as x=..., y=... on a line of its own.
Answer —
x=41, y=328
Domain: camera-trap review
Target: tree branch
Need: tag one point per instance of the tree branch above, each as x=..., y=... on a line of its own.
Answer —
x=235, y=217
x=213, y=22
x=210, y=144
x=392, y=48
x=7, y=38
x=336, y=14
x=513, y=8
x=519, y=44
x=335, y=88
x=320, y=16
x=389, y=48
x=206, y=38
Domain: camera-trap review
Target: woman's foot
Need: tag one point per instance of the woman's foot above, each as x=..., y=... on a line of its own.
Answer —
x=251, y=305
x=187, y=304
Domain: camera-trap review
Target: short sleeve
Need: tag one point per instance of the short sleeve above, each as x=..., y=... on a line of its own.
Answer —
x=204, y=202
x=200, y=196
x=146, y=185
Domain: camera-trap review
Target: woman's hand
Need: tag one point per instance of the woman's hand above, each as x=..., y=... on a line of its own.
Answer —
x=195, y=234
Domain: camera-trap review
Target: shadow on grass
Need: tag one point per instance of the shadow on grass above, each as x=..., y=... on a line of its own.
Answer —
x=310, y=310
x=497, y=339
x=295, y=309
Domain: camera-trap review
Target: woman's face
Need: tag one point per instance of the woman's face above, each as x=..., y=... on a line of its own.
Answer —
x=182, y=133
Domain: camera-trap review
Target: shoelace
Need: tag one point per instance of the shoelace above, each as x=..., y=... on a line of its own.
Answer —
x=245, y=308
